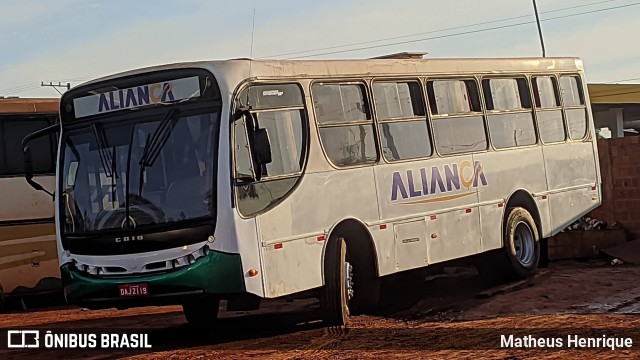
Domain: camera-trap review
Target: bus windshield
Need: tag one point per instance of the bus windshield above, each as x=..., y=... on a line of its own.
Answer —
x=132, y=173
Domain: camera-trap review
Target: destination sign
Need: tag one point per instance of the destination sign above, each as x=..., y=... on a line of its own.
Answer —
x=138, y=96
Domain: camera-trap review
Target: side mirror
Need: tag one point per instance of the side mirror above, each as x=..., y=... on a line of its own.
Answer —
x=28, y=162
x=259, y=143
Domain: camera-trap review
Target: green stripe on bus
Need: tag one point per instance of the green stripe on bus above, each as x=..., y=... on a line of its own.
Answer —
x=217, y=273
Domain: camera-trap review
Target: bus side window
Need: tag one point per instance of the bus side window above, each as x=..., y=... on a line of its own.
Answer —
x=13, y=130
x=548, y=111
x=574, y=105
x=279, y=109
x=457, y=120
x=510, y=117
x=285, y=134
x=345, y=123
x=404, y=131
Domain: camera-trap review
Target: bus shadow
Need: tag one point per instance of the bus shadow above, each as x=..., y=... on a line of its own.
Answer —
x=419, y=295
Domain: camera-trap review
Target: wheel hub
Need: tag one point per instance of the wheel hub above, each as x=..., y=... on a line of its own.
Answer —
x=524, y=244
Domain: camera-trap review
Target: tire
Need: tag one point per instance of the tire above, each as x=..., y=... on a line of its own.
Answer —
x=202, y=312
x=338, y=289
x=521, y=243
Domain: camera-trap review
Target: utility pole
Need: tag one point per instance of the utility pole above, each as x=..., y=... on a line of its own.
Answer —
x=535, y=8
x=56, y=86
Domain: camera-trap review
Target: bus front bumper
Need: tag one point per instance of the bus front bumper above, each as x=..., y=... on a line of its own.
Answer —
x=217, y=274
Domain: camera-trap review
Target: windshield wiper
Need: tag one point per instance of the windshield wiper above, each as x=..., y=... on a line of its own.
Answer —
x=127, y=173
x=102, y=149
x=142, y=167
x=114, y=177
x=155, y=144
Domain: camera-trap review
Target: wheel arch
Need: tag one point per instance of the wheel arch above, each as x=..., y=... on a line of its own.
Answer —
x=357, y=236
x=362, y=255
x=523, y=198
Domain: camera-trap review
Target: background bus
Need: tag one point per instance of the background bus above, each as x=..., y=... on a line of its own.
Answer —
x=244, y=180
x=28, y=254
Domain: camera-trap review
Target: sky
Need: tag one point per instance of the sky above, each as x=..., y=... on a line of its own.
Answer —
x=79, y=40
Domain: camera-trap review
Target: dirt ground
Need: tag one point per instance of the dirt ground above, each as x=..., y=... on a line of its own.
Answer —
x=449, y=313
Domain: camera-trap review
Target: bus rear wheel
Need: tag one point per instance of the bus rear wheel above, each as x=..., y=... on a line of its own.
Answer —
x=522, y=243
x=520, y=255
x=201, y=312
x=338, y=288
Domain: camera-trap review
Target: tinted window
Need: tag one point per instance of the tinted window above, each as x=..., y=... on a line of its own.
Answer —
x=398, y=100
x=405, y=139
x=173, y=185
x=340, y=103
x=13, y=131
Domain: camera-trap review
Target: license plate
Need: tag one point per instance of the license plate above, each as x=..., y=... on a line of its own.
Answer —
x=134, y=289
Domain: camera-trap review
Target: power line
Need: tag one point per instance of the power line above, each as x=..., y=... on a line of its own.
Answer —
x=20, y=87
x=23, y=90
x=466, y=32
x=32, y=86
x=28, y=88
x=435, y=31
x=623, y=80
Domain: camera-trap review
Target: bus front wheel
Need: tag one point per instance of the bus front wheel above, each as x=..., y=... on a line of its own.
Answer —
x=201, y=312
x=338, y=287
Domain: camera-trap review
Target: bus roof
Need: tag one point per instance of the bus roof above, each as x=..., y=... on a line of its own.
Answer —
x=366, y=67
x=29, y=106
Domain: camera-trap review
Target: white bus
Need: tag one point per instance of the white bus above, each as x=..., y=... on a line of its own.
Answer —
x=242, y=180
x=28, y=253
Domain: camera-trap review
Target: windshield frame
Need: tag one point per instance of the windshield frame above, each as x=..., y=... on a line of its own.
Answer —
x=158, y=112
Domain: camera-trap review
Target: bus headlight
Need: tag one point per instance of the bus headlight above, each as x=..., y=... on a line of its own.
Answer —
x=190, y=259
x=93, y=270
